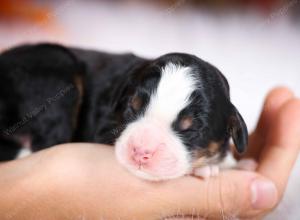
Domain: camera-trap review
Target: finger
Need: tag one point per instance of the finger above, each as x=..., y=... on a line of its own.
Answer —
x=275, y=99
x=228, y=196
x=282, y=145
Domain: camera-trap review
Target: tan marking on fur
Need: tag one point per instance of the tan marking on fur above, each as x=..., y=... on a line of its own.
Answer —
x=136, y=103
x=213, y=148
x=200, y=158
x=186, y=122
x=78, y=80
x=199, y=162
x=203, y=157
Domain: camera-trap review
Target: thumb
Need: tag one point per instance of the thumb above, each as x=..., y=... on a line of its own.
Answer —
x=234, y=193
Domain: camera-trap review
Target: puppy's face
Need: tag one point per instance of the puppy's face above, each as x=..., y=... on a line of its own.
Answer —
x=175, y=115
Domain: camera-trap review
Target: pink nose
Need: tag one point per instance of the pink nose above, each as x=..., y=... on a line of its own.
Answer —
x=141, y=155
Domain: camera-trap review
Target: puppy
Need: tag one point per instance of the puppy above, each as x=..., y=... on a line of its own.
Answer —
x=167, y=117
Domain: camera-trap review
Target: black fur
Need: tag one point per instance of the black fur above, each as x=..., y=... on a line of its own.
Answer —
x=32, y=76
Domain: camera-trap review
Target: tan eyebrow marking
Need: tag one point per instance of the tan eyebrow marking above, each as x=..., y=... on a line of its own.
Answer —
x=186, y=122
x=136, y=102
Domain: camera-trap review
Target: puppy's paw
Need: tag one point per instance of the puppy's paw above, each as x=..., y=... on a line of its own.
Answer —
x=246, y=164
x=207, y=171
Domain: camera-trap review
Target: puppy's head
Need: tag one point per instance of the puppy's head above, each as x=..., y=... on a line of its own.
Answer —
x=175, y=114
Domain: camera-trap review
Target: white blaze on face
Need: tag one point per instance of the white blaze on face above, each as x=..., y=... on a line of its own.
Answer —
x=172, y=94
x=149, y=147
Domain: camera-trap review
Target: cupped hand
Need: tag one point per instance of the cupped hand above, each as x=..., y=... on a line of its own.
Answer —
x=84, y=181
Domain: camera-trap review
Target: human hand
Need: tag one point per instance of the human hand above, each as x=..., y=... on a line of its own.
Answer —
x=84, y=181
x=274, y=145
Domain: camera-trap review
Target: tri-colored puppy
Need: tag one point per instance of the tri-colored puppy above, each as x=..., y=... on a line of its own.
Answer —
x=167, y=117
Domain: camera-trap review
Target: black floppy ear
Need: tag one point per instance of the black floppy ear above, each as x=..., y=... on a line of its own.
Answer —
x=238, y=130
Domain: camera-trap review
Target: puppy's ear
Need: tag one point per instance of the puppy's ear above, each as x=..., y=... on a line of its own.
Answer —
x=238, y=130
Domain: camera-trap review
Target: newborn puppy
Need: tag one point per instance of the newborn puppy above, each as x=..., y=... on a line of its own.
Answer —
x=176, y=117
x=167, y=117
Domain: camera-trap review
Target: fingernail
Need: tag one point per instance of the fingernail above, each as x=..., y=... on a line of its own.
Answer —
x=264, y=194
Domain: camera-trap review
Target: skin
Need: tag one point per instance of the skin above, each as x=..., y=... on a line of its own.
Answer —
x=84, y=181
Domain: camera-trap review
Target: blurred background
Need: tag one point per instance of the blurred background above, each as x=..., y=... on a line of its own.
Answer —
x=255, y=43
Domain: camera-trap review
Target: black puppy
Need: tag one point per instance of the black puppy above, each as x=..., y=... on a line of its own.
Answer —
x=167, y=117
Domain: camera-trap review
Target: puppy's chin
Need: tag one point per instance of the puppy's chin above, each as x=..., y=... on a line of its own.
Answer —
x=158, y=172
x=164, y=166
x=156, y=176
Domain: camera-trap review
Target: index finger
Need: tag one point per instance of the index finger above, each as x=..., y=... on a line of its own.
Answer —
x=282, y=145
x=273, y=103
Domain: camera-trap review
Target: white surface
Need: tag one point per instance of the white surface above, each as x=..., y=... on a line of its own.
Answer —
x=255, y=54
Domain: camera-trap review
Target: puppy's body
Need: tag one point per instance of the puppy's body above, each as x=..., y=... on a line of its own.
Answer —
x=31, y=78
x=41, y=89
x=104, y=75
x=166, y=116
